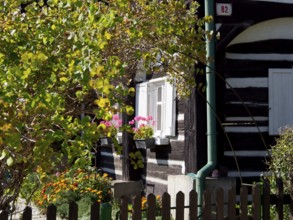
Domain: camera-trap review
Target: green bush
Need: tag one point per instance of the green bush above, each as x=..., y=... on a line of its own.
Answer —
x=281, y=158
x=281, y=164
x=84, y=205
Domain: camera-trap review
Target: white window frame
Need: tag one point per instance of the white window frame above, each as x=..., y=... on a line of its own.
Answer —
x=280, y=83
x=147, y=103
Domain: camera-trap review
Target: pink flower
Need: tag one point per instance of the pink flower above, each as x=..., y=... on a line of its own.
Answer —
x=149, y=118
x=116, y=117
x=107, y=123
x=142, y=125
x=137, y=118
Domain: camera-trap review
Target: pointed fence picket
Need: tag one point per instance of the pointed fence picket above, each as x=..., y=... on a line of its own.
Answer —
x=52, y=212
x=254, y=206
x=165, y=211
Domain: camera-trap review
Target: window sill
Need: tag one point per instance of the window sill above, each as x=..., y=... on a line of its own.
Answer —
x=162, y=141
x=119, y=138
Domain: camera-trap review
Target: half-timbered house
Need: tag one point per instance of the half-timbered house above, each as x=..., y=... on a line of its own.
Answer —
x=254, y=78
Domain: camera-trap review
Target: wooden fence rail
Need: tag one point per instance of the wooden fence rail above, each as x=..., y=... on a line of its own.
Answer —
x=256, y=206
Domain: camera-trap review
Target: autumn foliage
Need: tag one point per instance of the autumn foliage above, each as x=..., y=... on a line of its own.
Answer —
x=64, y=64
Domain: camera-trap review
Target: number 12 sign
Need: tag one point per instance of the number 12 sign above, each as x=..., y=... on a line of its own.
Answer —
x=224, y=9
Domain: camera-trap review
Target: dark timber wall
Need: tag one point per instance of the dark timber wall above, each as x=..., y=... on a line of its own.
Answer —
x=243, y=88
x=108, y=161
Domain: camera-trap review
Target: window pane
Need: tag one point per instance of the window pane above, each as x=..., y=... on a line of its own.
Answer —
x=149, y=104
x=159, y=117
x=160, y=94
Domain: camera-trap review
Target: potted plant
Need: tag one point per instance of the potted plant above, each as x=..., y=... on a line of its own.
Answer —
x=143, y=132
x=108, y=130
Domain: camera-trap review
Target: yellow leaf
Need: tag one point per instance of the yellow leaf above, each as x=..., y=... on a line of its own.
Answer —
x=64, y=79
x=129, y=110
x=108, y=35
x=107, y=89
x=97, y=71
x=71, y=66
x=6, y=127
x=42, y=57
x=26, y=73
x=102, y=45
x=99, y=84
x=48, y=97
x=92, y=83
x=102, y=102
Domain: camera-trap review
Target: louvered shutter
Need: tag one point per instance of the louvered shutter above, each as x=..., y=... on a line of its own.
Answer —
x=141, y=101
x=170, y=110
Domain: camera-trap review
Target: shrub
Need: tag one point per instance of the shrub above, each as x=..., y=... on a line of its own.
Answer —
x=281, y=158
x=281, y=164
x=144, y=205
x=74, y=184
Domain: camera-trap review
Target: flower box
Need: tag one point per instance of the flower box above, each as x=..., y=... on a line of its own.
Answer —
x=145, y=143
x=144, y=127
x=105, y=141
x=119, y=138
x=162, y=141
x=108, y=130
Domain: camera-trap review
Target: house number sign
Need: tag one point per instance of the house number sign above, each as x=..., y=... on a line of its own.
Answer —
x=224, y=9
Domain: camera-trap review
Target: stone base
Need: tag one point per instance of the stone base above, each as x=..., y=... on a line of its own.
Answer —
x=226, y=183
x=181, y=183
x=126, y=188
x=186, y=183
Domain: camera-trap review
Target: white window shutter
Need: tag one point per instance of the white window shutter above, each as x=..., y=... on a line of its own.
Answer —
x=170, y=109
x=280, y=99
x=151, y=101
x=141, y=103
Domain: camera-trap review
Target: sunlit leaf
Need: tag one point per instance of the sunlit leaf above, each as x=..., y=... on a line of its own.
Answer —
x=10, y=161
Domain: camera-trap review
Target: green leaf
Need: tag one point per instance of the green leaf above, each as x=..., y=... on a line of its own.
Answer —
x=2, y=58
x=45, y=40
x=3, y=154
x=10, y=161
